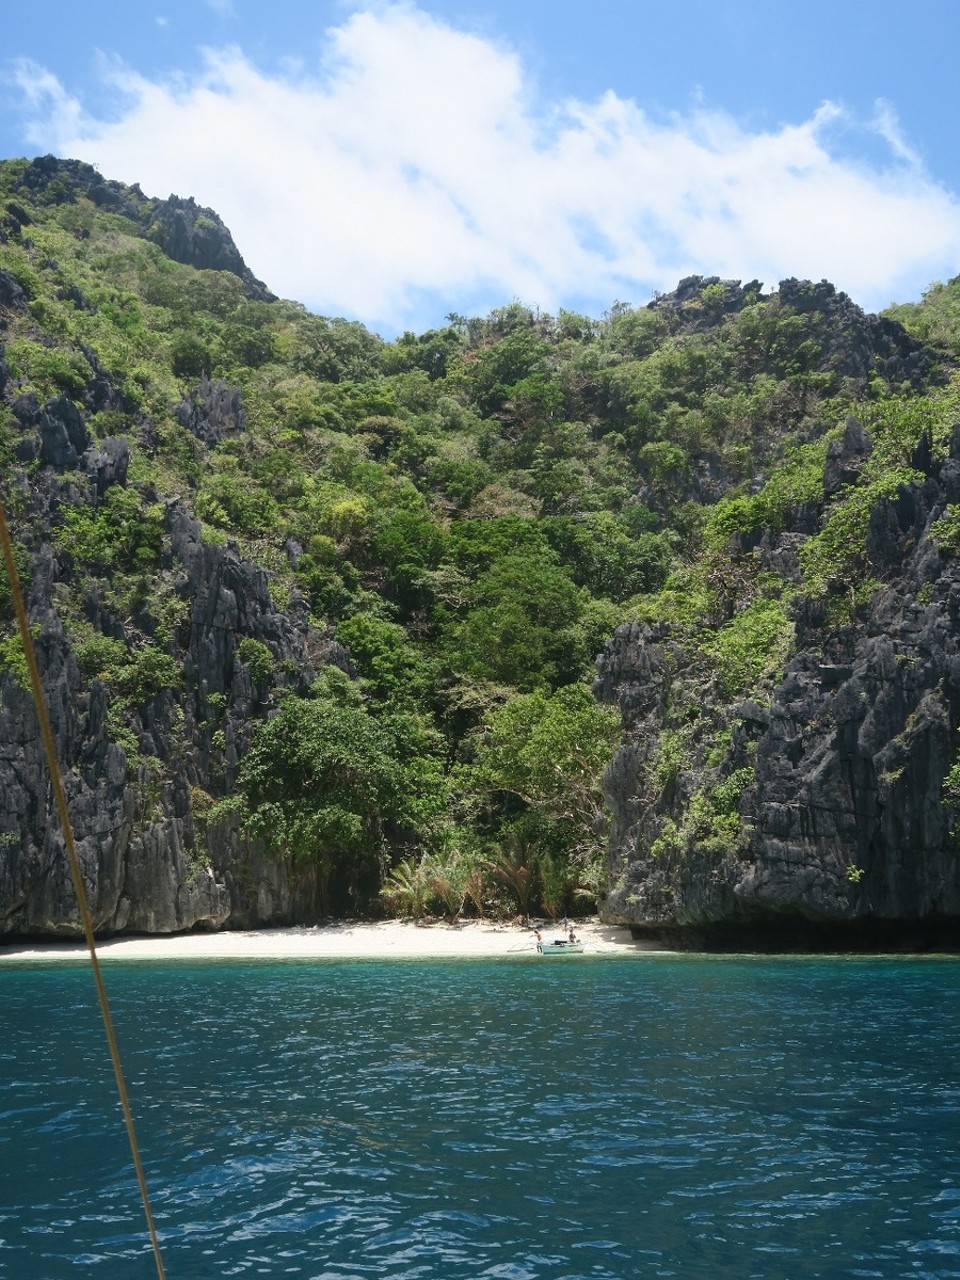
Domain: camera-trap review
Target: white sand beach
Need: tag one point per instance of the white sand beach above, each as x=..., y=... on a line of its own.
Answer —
x=349, y=939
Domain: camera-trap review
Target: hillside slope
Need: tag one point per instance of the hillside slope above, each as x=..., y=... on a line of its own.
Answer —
x=318, y=613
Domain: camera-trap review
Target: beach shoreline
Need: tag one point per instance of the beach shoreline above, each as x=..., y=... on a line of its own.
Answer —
x=374, y=940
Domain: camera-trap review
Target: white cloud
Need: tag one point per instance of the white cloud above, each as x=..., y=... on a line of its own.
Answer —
x=414, y=171
x=52, y=110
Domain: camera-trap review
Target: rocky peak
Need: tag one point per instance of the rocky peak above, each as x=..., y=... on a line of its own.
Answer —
x=192, y=234
x=186, y=231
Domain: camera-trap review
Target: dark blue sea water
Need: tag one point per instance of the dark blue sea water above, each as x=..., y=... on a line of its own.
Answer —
x=514, y=1119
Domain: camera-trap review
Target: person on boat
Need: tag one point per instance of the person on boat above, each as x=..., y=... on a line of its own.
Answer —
x=539, y=939
x=572, y=937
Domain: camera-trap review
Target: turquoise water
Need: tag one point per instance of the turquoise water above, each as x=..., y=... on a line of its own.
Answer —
x=511, y=1119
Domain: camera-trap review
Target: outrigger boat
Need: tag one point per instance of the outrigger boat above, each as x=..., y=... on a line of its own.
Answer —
x=571, y=946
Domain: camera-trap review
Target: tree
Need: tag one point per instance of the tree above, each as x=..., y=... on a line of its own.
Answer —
x=408, y=543
x=522, y=630
x=538, y=766
x=606, y=558
x=327, y=782
x=498, y=368
x=550, y=750
x=393, y=669
x=335, y=350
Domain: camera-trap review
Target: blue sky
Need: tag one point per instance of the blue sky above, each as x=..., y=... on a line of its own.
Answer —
x=394, y=162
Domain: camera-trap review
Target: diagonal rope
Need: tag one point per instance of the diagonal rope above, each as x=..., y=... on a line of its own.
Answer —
x=67, y=830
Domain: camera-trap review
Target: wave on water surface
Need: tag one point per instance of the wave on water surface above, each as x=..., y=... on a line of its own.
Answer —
x=438, y=1121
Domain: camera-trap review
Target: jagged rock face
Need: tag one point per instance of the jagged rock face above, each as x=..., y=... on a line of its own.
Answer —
x=11, y=295
x=846, y=824
x=214, y=411
x=151, y=862
x=834, y=338
x=148, y=865
x=196, y=236
x=846, y=341
x=185, y=231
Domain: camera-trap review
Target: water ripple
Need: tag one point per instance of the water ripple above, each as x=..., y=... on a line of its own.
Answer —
x=664, y=1118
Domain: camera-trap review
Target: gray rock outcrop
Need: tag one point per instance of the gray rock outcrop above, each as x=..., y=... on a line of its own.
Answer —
x=186, y=231
x=213, y=412
x=197, y=236
x=139, y=795
x=836, y=779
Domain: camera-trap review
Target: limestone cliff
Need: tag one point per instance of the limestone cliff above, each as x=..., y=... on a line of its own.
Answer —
x=153, y=862
x=836, y=777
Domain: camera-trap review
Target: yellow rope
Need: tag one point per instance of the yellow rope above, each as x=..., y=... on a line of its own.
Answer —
x=77, y=873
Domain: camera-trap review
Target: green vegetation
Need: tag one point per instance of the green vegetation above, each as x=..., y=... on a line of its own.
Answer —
x=329, y=782
x=471, y=513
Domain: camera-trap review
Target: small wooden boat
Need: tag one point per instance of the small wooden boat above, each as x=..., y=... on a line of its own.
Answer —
x=559, y=947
